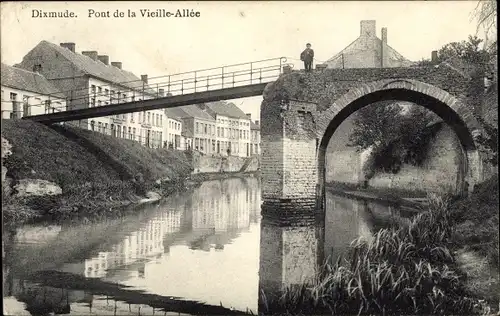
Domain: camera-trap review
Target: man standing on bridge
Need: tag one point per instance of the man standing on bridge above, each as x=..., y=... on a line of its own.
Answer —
x=307, y=57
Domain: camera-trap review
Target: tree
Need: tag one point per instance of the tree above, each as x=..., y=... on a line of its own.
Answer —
x=375, y=125
x=393, y=135
x=486, y=15
x=469, y=52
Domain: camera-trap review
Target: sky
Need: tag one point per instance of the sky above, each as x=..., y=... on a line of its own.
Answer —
x=231, y=32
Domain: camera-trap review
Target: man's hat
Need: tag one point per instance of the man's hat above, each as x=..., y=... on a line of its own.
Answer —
x=308, y=44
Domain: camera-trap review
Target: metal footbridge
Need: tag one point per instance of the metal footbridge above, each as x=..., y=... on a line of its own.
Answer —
x=193, y=87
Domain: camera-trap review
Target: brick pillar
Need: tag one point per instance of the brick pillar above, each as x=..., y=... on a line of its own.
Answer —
x=474, y=170
x=289, y=159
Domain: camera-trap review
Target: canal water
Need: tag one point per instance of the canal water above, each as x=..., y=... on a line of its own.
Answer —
x=205, y=251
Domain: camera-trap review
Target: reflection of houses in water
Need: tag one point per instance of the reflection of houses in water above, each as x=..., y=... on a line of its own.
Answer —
x=145, y=243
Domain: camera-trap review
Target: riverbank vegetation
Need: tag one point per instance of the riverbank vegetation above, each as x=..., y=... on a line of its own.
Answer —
x=410, y=269
x=94, y=171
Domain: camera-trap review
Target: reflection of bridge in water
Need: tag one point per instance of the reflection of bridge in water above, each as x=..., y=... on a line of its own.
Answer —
x=292, y=252
x=185, y=244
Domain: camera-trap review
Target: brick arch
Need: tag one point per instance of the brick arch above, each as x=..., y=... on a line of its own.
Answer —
x=450, y=108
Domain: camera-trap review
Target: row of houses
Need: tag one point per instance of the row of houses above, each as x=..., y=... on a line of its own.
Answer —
x=54, y=78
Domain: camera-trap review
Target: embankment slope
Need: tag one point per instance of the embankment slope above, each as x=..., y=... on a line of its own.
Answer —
x=89, y=168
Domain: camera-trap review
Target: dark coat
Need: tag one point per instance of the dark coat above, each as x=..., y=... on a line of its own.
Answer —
x=307, y=55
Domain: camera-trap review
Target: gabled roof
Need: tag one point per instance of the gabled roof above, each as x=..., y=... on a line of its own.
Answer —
x=187, y=132
x=226, y=109
x=254, y=126
x=391, y=52
x=96, y=68
x=188, y=111
x=21, y=79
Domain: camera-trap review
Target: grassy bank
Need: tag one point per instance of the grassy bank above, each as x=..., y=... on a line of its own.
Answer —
x=413, y=269
x=95, y=171
x=393, y=196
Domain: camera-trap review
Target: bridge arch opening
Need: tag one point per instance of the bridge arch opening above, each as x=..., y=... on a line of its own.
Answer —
x=458, y=117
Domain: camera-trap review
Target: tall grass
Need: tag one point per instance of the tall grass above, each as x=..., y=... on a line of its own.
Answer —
x=403, y=270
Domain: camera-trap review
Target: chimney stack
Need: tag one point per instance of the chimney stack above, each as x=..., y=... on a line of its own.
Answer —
x=434, y=56
x=116, y=64
x=368, y=28
x=257, y=122
x=70, y=46
x=144, y=78
x=384, y=35
x=384, y=62
x=161, y=92
x=104, y=59
x=249, y=115
x=91, y=54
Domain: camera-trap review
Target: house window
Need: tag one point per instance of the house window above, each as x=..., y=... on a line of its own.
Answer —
x=112, y=96
x=92, y=102
x=124, y=97
x=99, y=127
x=99, y=90
x=218, y=131
x=133, y=132
x=132, y=117
x=105, y=128
x=130, y=133
x=197, y=129
x=92, y=89
x=92, y=125
x=149, y=117
x=106, y=92
x=118, y=131
x=99, y=103
x=205, y=128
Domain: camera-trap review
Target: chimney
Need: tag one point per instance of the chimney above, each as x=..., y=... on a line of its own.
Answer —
x=368, y=28
x=257, y=122
x=70, y=46
x=116, y=64
x=434, y=56
x=91, y=54
x=384, y=35
x=383, y=49
x=249, y=115
x=104, y=59
x=144, y=78
x=161, y=92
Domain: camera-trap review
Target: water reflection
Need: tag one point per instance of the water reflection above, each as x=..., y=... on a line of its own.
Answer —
x=189, y=255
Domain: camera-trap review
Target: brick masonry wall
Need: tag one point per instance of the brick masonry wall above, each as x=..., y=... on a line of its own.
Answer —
x=211, y=164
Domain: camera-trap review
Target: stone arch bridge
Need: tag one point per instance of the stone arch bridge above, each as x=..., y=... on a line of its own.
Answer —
x=301, y=111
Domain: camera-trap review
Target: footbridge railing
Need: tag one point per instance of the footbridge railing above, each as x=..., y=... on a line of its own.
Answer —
x=191, y=82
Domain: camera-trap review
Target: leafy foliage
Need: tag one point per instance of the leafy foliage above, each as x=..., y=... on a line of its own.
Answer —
x=394, y=136
x=489, y=142
x=469, y=52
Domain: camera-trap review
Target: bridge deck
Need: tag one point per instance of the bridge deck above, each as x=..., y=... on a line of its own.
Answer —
x=194, y=87
x=146, y=105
